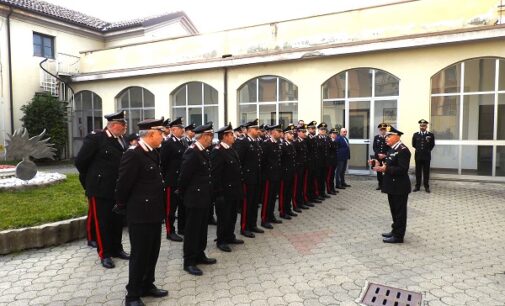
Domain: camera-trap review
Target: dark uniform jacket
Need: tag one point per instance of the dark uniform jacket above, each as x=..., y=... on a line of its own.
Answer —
x=226, y=173
x=271, y=160
x=312, y=161
x=187, y=142
x=171, y=159
x=301, y=153
x=423, y=145
x=396, y=177
x=195, y=180
x=250, y=154
x=332, y=152
x=379, y=145
x=98, y=163
x=140, y=186
x=322, y=150
x=288, y=160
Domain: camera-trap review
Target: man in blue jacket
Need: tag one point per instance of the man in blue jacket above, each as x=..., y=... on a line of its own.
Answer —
x=343, y=155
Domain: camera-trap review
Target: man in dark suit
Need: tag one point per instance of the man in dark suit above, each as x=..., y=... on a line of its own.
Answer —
x=140, y=192
x=343, y=155
x=227, y=183
x=271, y=175
x=288, y=173
x=396, y=183
x=98, y=165
x=195, y=186
x=380, y=149
x=250, y=154
x=424, y=142
x=171, y=153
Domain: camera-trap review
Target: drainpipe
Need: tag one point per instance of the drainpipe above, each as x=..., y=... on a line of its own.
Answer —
x=225, y=96
x=11, y=98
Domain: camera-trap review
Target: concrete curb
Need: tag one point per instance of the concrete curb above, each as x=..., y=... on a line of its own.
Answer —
x=42, y=235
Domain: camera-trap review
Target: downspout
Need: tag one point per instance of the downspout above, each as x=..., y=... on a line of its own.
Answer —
x=225, y=96
x=9, y=59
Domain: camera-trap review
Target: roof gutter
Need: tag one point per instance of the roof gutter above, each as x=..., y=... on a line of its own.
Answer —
x=9, y=59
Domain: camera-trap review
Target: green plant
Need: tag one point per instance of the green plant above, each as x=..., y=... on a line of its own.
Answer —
x=47, y=112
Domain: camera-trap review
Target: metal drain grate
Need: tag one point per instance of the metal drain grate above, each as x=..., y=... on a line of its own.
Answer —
x=381, y=295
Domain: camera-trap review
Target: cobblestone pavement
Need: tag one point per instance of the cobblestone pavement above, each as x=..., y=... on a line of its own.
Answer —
x=453, y=253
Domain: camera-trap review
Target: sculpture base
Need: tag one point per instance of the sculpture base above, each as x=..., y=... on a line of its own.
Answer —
x=41, y=179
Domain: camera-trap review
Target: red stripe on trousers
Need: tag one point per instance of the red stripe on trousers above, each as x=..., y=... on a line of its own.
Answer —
x=305, y=179
x=167, y=217
x=281, y=198
x=316, y=187
x=97, y=228
x=328, y=180
x=265, y=203
x=244, y=210
x=88, y=221
x=294, y=191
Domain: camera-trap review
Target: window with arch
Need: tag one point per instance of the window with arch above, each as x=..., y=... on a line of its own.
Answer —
x=468, y=117
x=87, y=113
x=195, y=102
x=272, y=99
x=138, y=103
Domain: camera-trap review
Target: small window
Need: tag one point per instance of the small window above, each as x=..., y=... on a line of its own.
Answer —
x=43, y=45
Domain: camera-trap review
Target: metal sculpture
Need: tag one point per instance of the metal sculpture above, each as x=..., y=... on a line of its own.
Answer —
x=20, y=146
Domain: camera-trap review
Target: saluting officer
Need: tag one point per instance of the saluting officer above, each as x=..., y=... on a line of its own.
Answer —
x=171, y=153
x=98, y=165
x=288, y=173
x=332, y=162
x=271, y=175
x=300, y=198
x=237, y=132
x=166, y=131
x=140, y=193
x=227, y=183
x=250, y=154
x=424, y=142
x=322, y=156
x=396, y=183
x=189, y=135
x=195, y=186
x=313, y=164
x=380, y=149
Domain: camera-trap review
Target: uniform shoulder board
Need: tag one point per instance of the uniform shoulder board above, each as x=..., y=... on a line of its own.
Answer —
x=192, y=146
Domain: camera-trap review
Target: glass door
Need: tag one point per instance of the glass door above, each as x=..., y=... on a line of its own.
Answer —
x=359, y=135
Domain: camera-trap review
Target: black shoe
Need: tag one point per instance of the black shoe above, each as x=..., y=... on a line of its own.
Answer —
x=275, y=221
x=392, y=239
x=378, y=188
x=155, y=292
x=298, y=210
x=312, y=205
x=236, y=241
x=257, y=230
x=387, y=235
x=174, y=237
x=321, y=198
x=92, y=243
x=305, y=206
x=325, y=196
x=212, y=221
x=427, y=190
x=286, y=216
x=416, y=189
x=207, y=261
x=332, y=192
x=224, y=247
x=314, y=201
x=292, y=214
x=193, y=270
x=134, y=302
x=107, y=263
x=266, y=225
x=346, y=185
x=122, y=255
x=340, y=187
x=247, y=234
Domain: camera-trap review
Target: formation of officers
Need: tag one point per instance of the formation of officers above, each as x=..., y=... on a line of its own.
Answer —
x=170, y=171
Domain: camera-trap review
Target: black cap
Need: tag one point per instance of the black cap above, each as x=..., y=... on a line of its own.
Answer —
x=301, y=127
x=118, y=116
x=151, y=124
x=322, y=126
x=382, y=125
x=312, y=124
x=190, y=127
x=252, y=124
x=333, y=131
x=290, y=128
x=204, y=128
x=176, y=123
x=225, y=129
x=273, y=127
x=262, y=127
x=422, y=121
x=238, y=128
x=392, y=131
x=131, y=137
x=166, y=123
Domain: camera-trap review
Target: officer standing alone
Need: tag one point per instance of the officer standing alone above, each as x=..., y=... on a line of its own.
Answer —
x=424, y=142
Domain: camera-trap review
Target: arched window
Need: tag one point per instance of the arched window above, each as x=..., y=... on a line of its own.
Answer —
x=138, y=103
x=468, y=117
x=87, y=115
x=195, y=102
x=272, y=99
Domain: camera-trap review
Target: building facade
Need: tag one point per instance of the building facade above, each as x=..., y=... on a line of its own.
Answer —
x=394, y=63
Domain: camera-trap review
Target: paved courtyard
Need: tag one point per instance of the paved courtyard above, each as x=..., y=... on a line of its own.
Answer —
x=454, y=253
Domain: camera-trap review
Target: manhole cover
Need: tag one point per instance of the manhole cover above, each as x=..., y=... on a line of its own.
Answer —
x=376, y=294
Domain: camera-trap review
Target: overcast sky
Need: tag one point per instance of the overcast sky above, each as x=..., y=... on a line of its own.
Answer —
x=213, y=15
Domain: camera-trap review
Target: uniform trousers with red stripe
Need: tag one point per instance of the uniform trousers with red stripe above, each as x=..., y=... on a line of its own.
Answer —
x=321, y=180
x=173, y=205
x=270, y=193
x=249, y=211
x=226, y=212
x=299, y=188
x=312, y=184
x=330, y=178
x=90, y=223
x=285, y=195
x=108, y=227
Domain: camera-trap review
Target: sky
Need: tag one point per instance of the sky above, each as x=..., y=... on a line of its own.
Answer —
x=214, y=15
